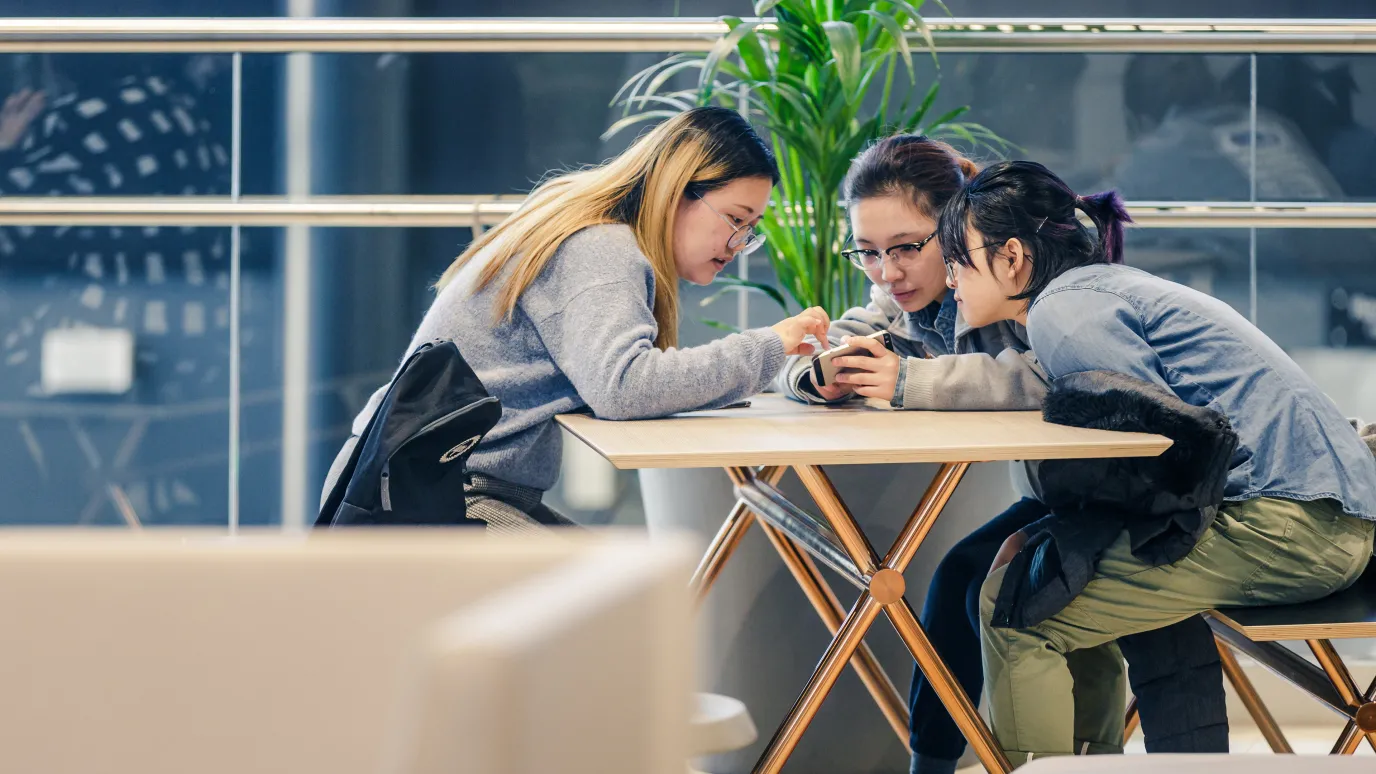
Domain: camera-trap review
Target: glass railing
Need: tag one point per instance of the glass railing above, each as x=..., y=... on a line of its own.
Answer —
x=267, y=226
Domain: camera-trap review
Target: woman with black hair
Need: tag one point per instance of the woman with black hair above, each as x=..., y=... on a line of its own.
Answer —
x=1296, y=521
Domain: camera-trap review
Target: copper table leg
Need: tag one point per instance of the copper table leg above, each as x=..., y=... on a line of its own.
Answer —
x=829, y=609
x=962, y=709
x=728, y=537
x=1342, y=680
x=1352, y=732
x=1247, y=693
x=847, y=639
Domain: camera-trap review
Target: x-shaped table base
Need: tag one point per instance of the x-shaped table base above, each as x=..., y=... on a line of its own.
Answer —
x=841, y=544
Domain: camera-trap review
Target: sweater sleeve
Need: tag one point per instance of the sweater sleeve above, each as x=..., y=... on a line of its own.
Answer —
x=795, y=380
x=603, y=341
x=1008, y=381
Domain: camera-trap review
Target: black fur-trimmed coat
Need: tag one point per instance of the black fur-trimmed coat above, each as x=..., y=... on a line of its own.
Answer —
x=1165, y=503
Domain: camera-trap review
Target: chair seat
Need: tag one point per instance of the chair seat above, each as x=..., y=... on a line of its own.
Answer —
x=1345, y=615
x=720, y=724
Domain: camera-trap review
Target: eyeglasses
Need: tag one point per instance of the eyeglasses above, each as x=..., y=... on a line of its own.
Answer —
x=903, y=254
x=951, y=265
x=743, y=239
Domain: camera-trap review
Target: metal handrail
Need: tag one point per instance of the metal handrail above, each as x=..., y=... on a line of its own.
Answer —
x=482, y=211
x=286, y=35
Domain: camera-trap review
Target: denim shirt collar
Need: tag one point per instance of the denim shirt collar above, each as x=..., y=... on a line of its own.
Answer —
x=936, y=324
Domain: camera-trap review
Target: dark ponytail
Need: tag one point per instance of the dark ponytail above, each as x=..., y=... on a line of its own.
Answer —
x=1110, y=215
x=1027, y=201
x=927, y=172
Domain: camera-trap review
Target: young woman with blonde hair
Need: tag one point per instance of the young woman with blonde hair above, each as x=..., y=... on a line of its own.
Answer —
x=572, y=303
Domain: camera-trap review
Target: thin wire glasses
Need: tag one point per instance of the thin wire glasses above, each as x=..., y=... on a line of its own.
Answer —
x=743, y=240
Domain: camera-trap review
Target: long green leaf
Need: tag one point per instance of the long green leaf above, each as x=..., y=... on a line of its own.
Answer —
x=754, y=56
x=946, y=117
x=649, y=115
x=763, y=7
x=736, y=284
x=900, y=38
x=911, y=11
x=721, y=326
x=916, y=119
x=979, y=137
x=657, y=82
x=632, y=86
x=675, y=103
x=723, y=46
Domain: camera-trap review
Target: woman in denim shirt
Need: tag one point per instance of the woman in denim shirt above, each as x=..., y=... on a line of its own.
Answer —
x=1300, y=500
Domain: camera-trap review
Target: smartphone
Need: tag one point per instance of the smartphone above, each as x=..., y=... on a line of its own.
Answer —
x=824, y=373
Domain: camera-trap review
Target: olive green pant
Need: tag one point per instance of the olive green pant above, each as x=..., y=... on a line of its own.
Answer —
x=1059, y=687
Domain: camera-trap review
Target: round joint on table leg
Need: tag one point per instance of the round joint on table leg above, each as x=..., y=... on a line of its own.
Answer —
x=1366, y=717
x=887, y=586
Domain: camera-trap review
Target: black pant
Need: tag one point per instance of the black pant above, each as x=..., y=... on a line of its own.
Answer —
x=1178, y=680
x=950, y=617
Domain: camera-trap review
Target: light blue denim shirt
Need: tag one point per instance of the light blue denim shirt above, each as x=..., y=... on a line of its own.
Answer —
x=1293, y=442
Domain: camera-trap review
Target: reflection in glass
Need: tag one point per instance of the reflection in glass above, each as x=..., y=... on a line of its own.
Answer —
x=154, y=450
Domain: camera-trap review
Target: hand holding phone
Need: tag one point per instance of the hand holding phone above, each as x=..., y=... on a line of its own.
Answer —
x=824, y=367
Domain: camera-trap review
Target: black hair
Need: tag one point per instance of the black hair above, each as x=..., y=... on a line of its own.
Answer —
x=734, y=144
x=925, y=171
x=1024, y=199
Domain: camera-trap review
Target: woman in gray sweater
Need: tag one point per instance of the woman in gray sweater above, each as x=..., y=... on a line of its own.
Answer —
x=572, y=302
x=894, y=192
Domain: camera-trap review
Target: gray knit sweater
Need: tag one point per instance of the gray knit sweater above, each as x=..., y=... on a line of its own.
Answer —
x=582, y=337
x=990, y=368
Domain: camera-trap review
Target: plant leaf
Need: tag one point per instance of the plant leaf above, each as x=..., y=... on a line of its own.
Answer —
x=845, y=47
x=724, y=46
x=978, y=135
x=911, y=10
x=649, y=115
x=669, y=101
x=734, y=284
x=657, y=82
x=900, y=38
x=754, y=56
x=763, y=7
x=927, y=101
x=632, y=86
x=721, y=326
x=946, y=118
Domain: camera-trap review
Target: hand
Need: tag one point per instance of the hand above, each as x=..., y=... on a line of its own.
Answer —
x=874, y=375
x=19, y=111
x=810, y=322
x=833, y=392
x=1008, y=550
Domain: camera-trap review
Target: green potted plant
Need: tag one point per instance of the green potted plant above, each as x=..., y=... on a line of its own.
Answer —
x=823, y=79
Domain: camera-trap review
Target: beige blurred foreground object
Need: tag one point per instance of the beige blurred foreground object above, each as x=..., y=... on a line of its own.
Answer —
x=1197, y=764
x=408, y=653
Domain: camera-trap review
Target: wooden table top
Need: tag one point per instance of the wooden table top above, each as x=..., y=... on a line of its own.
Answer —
x=777, y=431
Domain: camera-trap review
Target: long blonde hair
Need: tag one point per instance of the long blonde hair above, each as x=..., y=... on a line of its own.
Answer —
x=688, y=155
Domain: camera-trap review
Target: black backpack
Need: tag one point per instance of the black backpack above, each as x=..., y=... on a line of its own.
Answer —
x=409, y=465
